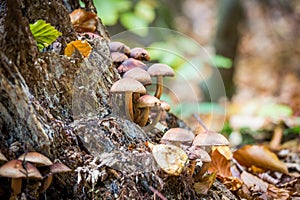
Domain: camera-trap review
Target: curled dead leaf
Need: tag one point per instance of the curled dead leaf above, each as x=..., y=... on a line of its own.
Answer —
x=203, y=185
x=259, y=156
x=82, y=46
x=220, y=164
x=83, y=21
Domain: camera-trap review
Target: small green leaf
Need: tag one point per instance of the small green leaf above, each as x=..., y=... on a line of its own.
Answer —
x=43, y=33
x=222, y=62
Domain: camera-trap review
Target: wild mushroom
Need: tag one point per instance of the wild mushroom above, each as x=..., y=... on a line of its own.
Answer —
x=131, y=63
x=14, y=169
x=178, y=137
x=139, y=54
x=54, y=169
x=171, y=159
x=119, y=47
x=145, y=102
x=122, y=91
x=35, y=158
x=160, y=70
x=165, y=108
x=196, y=154
x=118, y=58
x=139, y=75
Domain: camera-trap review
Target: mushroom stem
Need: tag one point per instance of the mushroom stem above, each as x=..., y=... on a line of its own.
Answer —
x=143, y=118
x=154, y=122
x=16, y=186
x=199, y=120
x=46, y=182
x=159, y=87
x=128, y=105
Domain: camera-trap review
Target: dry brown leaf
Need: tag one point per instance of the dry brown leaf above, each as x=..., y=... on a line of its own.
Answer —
x=232, y=183
x=225, y=151
x=82, y=46
x=220, y=164
x=83, y=21
x=259, y=156
x=254, y=183
x=203, y=186
x=277, y=193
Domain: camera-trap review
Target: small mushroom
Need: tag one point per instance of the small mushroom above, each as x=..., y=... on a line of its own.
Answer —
x=54, y=169
x=14, y=169
x=210, y=139
x=160, y=70
x=122, y=91
x=178, y=137
x=131, y=63
x=139, y=54
x=35, y=158
x=165, y=108
x=119, y=47
x=118, y=58
x=139, y=75
x=146, y=102
x=196, y=154
x=171, y=159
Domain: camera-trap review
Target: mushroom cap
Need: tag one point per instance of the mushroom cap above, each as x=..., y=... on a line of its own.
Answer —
x=119, y=47
x=159, y=69
x=36, y=158
x=131, y=63
x=15, y=169
x=165, y=106
x=2, y=157
x=147, y=101
x=170, y=158
x=210, y=138
x=195, y=153
x=139, y=54
x=59, y=168
x=178, y=135
x=118, y=57
x=128, y=85
x=139, y=75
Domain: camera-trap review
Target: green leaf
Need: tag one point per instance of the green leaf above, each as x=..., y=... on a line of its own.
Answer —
x=43, y=33
x=145, y=11
x=222, y=62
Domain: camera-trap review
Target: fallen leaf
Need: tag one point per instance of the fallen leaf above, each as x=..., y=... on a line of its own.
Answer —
x=225, y=151
x=254, y=183
x=83, y=21
x=259, y=156
x=203, y=186
x=220, y=164
x=82, y=46
x=277, y=193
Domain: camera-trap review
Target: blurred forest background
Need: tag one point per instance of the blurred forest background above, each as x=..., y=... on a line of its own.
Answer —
x=255, y=45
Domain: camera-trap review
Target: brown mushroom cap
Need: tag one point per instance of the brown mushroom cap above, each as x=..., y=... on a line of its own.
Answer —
x=139, y=54
x=15, y=169
x=147, y=101
x=2, y=157
x=165, y=106
x=178, y=135
x=119, y=47
x=59, y=168
x=36, y=158
x=139, y=75
x=131, y=63
x=128, y=85
x=118, y=57
x=159, y=69
x=210, y=138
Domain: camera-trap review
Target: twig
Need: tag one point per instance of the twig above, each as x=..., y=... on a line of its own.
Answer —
x=199, y=120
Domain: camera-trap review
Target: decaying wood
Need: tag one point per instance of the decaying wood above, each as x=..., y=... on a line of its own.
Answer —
x=60, y=107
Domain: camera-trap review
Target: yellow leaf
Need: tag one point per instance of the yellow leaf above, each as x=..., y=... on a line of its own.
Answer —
x=82, y=46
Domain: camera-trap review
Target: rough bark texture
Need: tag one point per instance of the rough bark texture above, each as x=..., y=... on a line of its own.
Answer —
x=60, y=107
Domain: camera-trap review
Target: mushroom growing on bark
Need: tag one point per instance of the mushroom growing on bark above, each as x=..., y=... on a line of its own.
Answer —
x=35, y=158
x=178, y=137
x=139, y=54
x=119, y=47
x=139, y=75
x=122, y=92
x=160, y=70
x=131, y=63
x=144, y=103
x=118, y=58
x=14, y=169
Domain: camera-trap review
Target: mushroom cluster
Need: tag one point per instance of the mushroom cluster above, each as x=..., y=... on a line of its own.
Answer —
x=31, y=165
x=129, y=96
